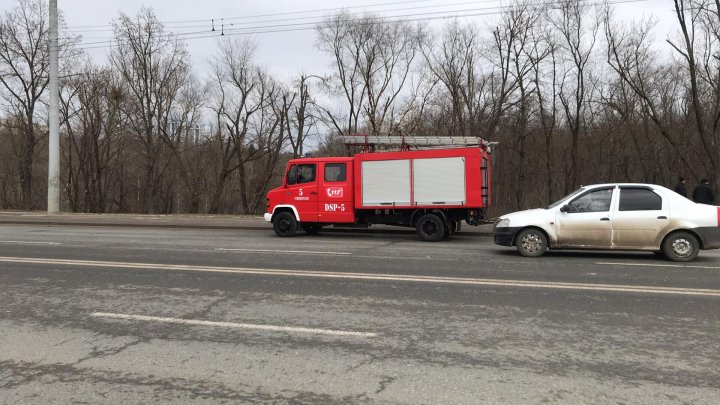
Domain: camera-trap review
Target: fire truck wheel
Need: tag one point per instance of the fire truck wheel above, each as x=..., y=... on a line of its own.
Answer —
x=284, y=224
x=311, y=229
x=532, y=243
x=430, y=228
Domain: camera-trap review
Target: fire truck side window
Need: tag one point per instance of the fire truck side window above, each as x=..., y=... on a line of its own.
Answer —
x=306, y=174
x=292, y=175
x=335, y=172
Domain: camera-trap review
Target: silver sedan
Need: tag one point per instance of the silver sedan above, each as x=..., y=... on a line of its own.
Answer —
x=615, y=217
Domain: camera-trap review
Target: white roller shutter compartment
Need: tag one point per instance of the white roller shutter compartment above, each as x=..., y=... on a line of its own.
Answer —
x=386, y=183
x=439, y=181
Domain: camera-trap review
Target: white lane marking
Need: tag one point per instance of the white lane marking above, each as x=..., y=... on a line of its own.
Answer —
x=680, y=266
x=377, y=277
x=308, y=252
x=22, y=242
x=197, y=322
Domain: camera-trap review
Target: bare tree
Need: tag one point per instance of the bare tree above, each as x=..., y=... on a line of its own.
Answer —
x=244, y=108
x=154, y=66
x=477, y=79
x=520, y=22
x=24, y=78
x=454, y=62
x=91, y=109
x=630, y=54
x=181, y=137
x=543, y=59
x=301, y=121
x=373, y=59
x=578, y=37
x=699, y=48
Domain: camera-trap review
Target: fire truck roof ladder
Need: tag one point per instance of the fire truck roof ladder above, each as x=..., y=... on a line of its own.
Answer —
x=370, y=142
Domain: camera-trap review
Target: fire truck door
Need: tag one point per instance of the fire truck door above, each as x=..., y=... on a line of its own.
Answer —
x=302, y=191
x=335, y=204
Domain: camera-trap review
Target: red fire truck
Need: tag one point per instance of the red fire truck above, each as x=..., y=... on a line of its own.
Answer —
x=433, y=188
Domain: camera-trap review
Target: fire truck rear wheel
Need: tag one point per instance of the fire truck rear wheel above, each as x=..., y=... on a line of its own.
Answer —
x=430, y=228
x=284, y=224
x=311, y=229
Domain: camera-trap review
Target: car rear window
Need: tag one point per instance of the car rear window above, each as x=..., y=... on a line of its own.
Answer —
x=639, y=199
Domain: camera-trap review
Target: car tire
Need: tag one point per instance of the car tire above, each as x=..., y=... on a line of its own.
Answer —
x=284, y=224
x=430, y=228
x=681, y=247
x=531, y=243
x=311, y=229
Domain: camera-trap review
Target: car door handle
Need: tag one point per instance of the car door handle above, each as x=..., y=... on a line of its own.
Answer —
x=604, y=219
x=662, y=217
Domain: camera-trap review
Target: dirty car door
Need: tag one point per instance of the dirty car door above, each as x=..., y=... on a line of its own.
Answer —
x=641, y=216
x=586, y=221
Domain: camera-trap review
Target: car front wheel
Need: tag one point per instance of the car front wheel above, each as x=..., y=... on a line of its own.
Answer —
x=681, y=247
x=531, y=243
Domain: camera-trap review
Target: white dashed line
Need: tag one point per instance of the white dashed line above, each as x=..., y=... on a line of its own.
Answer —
x=197, y=322
x=21, y=242
x=639, y=289
x=678, y=266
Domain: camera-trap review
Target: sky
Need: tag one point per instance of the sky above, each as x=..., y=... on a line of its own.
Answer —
x=291, y=49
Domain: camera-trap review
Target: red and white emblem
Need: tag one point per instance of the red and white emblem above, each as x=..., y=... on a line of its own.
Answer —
x=335, y=192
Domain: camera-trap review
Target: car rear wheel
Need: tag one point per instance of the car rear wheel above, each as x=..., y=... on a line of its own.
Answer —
x=681, y=247
x=531, y=243
x=284, y=224
x=430, y=228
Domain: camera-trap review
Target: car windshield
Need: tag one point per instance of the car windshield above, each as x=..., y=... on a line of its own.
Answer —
x=556, y=203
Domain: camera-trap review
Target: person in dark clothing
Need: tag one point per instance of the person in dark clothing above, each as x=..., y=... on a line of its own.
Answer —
x=680, y=187
x=703, y=194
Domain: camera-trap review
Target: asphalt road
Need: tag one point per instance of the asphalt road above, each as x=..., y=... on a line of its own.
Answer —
x=142, y=315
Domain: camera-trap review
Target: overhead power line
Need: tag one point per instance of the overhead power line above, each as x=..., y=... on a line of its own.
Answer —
x=319, y=10
x=261, y=28
x=217, y=22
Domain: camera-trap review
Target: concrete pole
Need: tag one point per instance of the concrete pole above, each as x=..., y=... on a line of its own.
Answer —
x=54, y=117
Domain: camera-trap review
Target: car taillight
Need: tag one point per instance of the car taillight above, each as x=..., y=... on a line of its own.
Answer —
x=718, y=216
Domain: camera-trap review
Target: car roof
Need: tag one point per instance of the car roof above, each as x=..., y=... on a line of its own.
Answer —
x=623, y=185
x=663, y=190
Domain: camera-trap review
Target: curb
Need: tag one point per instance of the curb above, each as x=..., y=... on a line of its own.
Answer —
x=255, y=227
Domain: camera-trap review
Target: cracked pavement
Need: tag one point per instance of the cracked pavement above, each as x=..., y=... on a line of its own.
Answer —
x=435, y=343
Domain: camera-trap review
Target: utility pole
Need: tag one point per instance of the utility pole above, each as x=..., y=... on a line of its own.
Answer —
x=54, y=117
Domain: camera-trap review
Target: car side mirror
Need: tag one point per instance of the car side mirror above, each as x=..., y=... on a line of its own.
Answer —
x=565, y=208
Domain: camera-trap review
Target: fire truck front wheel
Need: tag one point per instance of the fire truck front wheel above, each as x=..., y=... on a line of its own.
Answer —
x=284, y=224
x=430, y=228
